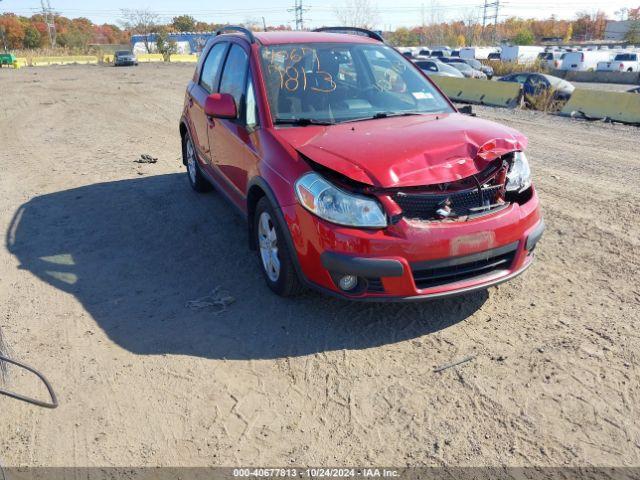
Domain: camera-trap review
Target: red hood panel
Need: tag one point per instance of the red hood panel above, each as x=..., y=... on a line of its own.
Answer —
x=406, y=151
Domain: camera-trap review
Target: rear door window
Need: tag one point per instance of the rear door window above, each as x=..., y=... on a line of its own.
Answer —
x=211, y=67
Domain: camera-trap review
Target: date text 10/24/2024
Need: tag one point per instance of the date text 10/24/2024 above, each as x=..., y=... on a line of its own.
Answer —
x=317, y=472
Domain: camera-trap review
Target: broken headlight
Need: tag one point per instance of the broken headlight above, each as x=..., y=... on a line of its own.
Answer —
x=519, y=175
x=334, y=205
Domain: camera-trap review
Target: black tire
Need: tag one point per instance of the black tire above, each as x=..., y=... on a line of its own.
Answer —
x=287, y=282
x=196, y=179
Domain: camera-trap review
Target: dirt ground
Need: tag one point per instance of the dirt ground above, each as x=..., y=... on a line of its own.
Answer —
x=102, y=255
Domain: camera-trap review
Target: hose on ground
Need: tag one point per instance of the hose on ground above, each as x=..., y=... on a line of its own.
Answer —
x=54, y=400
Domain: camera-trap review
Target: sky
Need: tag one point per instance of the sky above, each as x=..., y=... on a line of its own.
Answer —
x=390, y=13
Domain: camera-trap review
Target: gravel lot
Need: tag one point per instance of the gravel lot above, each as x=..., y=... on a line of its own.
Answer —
x=102, y=255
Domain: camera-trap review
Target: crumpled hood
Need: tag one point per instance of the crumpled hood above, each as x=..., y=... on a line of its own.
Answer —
x=406, y=151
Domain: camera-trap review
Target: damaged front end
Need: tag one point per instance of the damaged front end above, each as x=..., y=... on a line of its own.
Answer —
x=505, y=180
x=488, y=191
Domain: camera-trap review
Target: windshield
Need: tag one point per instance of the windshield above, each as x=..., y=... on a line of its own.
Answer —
x=335, y=82
x=123, y=52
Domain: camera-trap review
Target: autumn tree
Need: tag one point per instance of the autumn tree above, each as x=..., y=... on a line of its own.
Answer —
x=633, y=33
x=404, y=37
x=568, y=34
x=32, y=37
x=524, y=37
x=589, y=26
x=184, y=23
x=165, y=46
x=357, y=13
x=141, y=22
x=13, y=30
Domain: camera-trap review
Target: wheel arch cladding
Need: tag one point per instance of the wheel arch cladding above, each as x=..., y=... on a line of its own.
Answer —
x=183, y=133
x=255, y=193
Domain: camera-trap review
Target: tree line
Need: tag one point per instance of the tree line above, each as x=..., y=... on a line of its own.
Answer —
x=19, y=32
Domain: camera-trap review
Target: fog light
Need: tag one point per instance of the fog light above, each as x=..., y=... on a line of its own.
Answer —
x=348, y=282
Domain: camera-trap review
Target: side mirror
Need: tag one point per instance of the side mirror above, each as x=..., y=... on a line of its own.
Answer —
x=220, y=105
x=467, y=110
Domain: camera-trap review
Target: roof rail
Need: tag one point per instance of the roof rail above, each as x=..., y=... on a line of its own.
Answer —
x=360, y=31
x=234, y=28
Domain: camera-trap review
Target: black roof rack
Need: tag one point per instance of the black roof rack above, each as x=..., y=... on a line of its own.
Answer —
x=359, y=31
x=237, y=29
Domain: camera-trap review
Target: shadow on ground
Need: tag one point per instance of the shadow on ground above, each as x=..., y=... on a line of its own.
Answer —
x=133, y=252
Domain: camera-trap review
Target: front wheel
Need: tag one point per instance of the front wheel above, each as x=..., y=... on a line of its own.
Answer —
x=196, y=179
x=273, y=253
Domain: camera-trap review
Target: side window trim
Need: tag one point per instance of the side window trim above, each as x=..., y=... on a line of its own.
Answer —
x=250, y=83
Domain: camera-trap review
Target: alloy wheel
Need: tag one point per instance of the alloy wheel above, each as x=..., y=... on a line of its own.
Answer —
x=191, y=161
x=268, y=242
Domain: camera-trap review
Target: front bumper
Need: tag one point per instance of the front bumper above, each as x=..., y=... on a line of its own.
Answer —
x=415, y=260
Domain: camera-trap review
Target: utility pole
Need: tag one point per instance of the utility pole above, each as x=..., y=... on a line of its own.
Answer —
x=264, y=24
x=422, y=30
x=488, y=15
x=299, y=12
x=495, y=22
x=49, y=20
x=4, y=39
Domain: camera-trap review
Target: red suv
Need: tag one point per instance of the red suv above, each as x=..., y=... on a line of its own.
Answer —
x=357, y=176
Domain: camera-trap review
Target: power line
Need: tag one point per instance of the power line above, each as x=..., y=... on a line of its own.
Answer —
x=490, y=12
x=49, y=20
x=299, y=12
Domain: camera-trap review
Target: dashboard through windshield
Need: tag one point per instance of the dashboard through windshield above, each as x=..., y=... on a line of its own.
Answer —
x=336, y=82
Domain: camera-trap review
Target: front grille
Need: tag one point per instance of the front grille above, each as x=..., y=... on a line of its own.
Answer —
x=423, y=206
x=434, y=273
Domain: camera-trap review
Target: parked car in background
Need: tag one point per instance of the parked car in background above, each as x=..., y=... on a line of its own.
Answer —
x=466, y=69
x=455, y=53
x=424, y=53
x=330, y=200
x=585, y=61
x=438, y=68
x=440, y=53
x=494, y=56
x=622, y=62
x=124, y=58
x=634, y=90
x=534, y=83
x=478, y=53
x=520, y=53
x=551, y=60
x=473, y=63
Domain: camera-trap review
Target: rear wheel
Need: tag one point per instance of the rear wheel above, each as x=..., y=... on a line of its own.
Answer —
x=196, y=179
x=273, y=252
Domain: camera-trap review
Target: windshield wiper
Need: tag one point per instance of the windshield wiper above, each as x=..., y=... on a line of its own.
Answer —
x=302, y=122
x=383, y=115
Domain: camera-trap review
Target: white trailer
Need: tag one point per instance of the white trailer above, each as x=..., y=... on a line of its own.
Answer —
x=478, y=53
x=585, y=61
x=520, y=53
